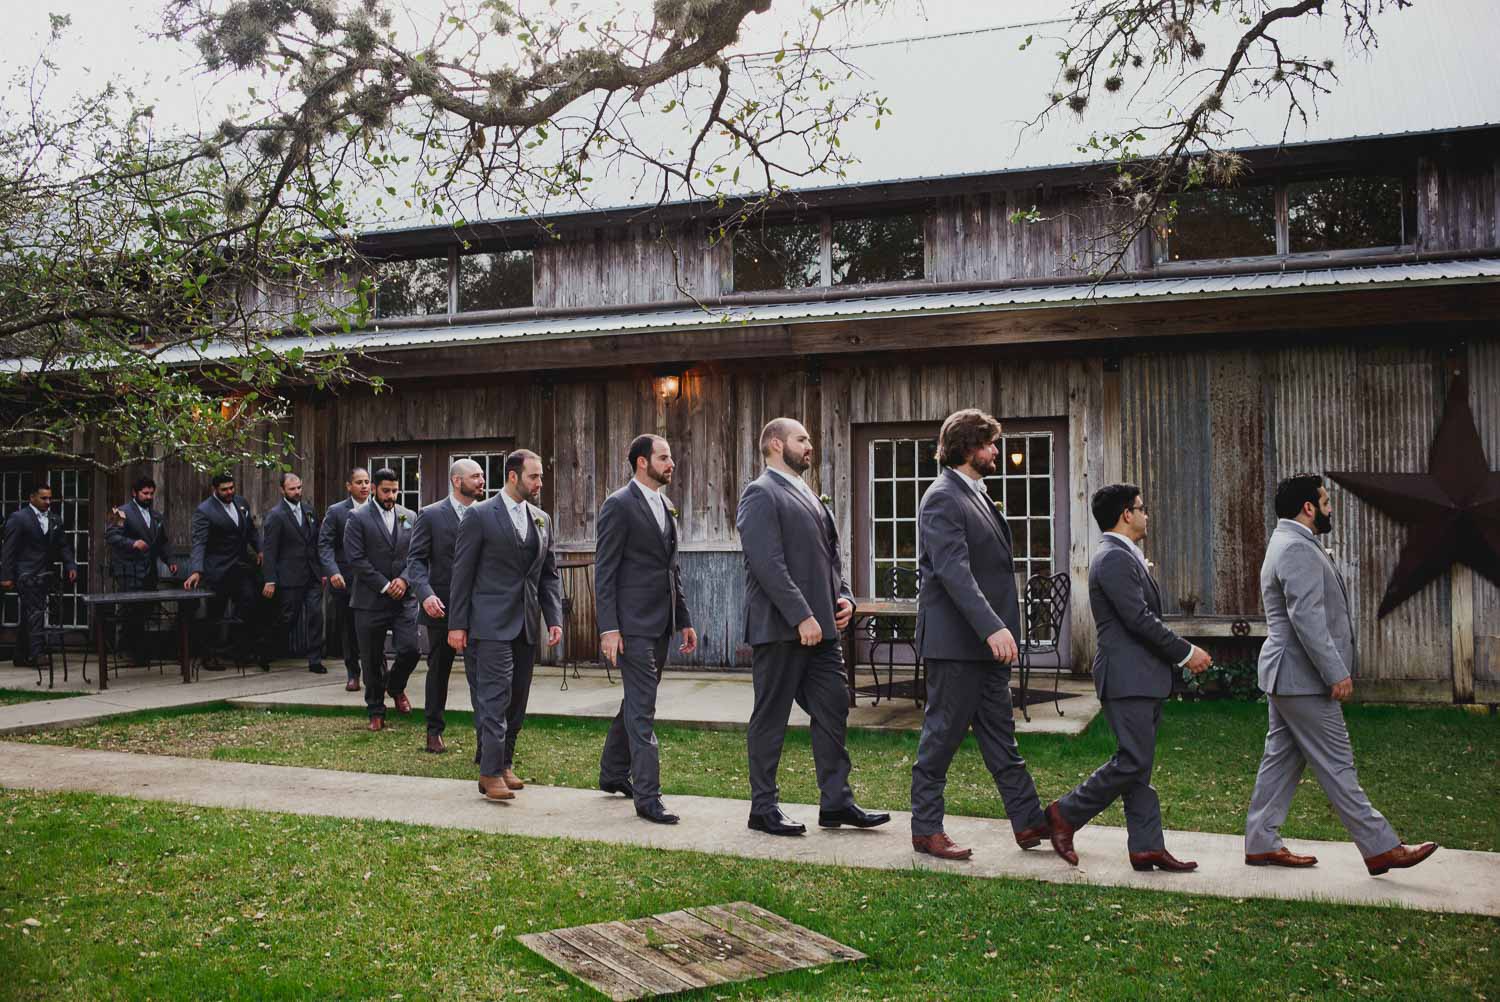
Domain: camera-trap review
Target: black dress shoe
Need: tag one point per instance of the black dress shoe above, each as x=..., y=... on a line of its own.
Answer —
x=265, y=666
x=656, y=813
x=853, y=815
x=317, y=669
x=773, y=822
x=622, y=787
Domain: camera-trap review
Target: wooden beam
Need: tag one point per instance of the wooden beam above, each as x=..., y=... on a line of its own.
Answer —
x=1462, y=590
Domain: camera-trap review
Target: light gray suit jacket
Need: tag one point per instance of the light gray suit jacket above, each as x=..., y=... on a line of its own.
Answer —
x=497, y=591
x=1138, y=654
x=1309, y=633
x=376, y=558
x=636, y=577
x=968, y=578
x=792, y=567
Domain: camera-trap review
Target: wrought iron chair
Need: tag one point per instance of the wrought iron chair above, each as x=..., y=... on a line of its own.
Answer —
x=1044, y=609
x=892, y=632
x=569, y=569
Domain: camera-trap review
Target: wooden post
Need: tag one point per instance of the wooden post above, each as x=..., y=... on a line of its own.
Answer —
x=1462, y=584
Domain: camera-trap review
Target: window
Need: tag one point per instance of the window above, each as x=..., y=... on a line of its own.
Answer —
x=1222, y=222
x=494, y=281
x=412, y=288
x=1341, y=213
x=408, y=469
x=785, y=256
x=422, y=466
x=884, y=249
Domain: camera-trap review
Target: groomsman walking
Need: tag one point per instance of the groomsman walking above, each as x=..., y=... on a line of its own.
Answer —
x=504, y=580
x=138, y=542
x=338, y=572
x=968, y=617
x=291, y=568
x=639, y=605
x=1134, y=664
x=1306, y=670
x=796, y=605
x=376, y=540
x=34, y=542
x=226, y=551
x=429, y=567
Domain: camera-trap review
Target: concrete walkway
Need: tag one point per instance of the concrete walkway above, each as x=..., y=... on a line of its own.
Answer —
x=1452, y=881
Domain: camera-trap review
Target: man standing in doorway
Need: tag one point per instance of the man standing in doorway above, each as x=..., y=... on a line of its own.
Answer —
x=338, y=572
x=291, y=567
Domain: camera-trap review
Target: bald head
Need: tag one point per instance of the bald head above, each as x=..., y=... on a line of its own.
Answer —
x=784, y=441
x=467, y=478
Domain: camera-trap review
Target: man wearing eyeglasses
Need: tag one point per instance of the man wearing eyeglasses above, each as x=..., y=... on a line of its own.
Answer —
x=1134, y=664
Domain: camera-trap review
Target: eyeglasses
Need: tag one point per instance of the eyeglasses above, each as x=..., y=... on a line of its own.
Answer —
x=1140, y=508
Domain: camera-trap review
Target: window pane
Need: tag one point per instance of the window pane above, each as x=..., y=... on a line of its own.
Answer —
x=1041, y=455
x=884, y=249
x=1012, y=457
x=927, y=464
x=1041, y=496
x=1015, y=496
x=1223, y=222
x=1343, y=212
x=906, y=458
x=906, y=499
x=1041, y=545
x=882, y=459
x=788, y=256
x=494, y=281
x=906, y=540
x=882, y=493
x=412, y=288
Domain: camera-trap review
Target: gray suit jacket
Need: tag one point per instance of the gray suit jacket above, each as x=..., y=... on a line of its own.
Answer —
x=1137, y=655
x=220, y=545
x=376, y=558
x=291, y=551
x=331, y=540
x=498, y=592
x=27, y=550
x=1309, y=633
x=968, y=579
x=636, y=577
x=133, y=568
x=792, y=567
x=429, y=562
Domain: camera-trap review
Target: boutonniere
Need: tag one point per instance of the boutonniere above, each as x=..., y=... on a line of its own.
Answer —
x=999, y=506
x=403, y=520
x=826, y=501
x=541, y=523
x=672, y=510
x=1150, y=567
x=1328, y=550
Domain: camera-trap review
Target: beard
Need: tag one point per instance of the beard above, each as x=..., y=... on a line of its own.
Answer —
x=144, y=502
x=1322, y=523
x=799, y=463
x=983, y=467
x=472, y=493
x=659, y=477
x=386, y=504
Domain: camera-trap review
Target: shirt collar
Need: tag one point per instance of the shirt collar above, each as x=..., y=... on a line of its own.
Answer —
x=39, y=512
x=1130, y=543
x=294, y=505
x=357, y=505
x=510, y=503
x=228, y=504
x=458, y=506
x=653, y=496
x=1297, y=525
x=977, y=486
x=793, y=479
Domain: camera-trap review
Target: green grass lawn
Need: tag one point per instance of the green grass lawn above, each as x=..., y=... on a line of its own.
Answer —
x=138, y=900
x=1435, y=772
x=10, y=696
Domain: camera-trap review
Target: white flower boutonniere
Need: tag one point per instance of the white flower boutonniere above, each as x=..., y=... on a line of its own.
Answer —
x=1329, y=550
x=541, y=523
x=825, y=501
x=1150, y=567
x=405, y=522
x=672, y=510
x=999, y=506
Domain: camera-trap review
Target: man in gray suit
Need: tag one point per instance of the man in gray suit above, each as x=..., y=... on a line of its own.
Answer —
x=35, y=540
x=967, y=620
x=377, y=539
x=338, y=572
x=429, y=568
x=139, y=545
x=640, y=605
x=290, y=565
x=796, y=605
x=1305, y=670
x=504, y=580
x=1134, y=665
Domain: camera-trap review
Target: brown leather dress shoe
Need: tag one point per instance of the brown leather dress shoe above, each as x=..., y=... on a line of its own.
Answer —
x=512, y=780
x=1030, y=838
x=377, y=723
x=1281, y=857
x=1160, y=859
x=1061, y=834
x=494, y=788
x=352, y=685
x=1399, y=858
x=403, y=705
x=939, y=845
x=435, y=744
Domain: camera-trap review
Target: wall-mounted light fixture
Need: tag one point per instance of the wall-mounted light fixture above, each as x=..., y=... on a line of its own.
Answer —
x=668, y=384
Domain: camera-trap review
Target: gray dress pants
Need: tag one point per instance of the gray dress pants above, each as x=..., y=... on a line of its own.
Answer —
x=630, y=749
x=499, y=680
x=963, y=695
x=813, y=677
x=1126, y=776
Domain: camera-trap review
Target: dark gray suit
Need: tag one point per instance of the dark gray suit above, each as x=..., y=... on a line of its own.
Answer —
x=335, y=561
x=792, y=571
x=1309, y=647
x=429, y=569
x=136, y=570
x=291, y=563
x=1133, y=670
x=376, y=557
x=638, y=593
x=968, y=592
x=223, y=552
x=501, y=586
x=27, y=557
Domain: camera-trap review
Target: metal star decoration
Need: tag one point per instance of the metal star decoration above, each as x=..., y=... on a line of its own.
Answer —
x=1452, y=512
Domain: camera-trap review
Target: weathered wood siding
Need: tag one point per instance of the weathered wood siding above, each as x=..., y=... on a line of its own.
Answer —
x=1484, y=397
x=641, y=264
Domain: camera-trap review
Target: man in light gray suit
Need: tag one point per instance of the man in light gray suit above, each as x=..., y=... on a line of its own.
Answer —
x=640, y=605
x=377, y=539
x=796, y=605
x=967, y=620
x=429, y=568
x=1134, y=665
x=1305, y=670
x=504, y=580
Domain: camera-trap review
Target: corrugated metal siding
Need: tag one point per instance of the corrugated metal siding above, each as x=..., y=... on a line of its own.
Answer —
x=1484, y=397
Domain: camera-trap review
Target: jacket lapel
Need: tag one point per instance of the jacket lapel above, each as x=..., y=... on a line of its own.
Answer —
x=644, y=507
x=986, y=511
x=533, y=516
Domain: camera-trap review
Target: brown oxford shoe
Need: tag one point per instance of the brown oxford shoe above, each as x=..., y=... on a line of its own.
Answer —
x=1061, y=834
x=1030, y=838
x=1281, y=857
x=352, y=685
x=512, y=780
x=403, y=705
x=435, y=744
x=377, y=723
x=1160, y=859
x=1400, y=858
x=494, y=788
x=939, y=845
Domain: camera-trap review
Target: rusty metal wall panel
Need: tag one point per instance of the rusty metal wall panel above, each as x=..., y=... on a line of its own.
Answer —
x=1484, y=397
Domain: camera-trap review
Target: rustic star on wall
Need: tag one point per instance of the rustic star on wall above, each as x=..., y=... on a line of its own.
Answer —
x=1452, y=512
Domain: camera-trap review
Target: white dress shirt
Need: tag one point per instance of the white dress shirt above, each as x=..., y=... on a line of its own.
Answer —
x=517, y=511
x=145, y=515
x=296, y=511
x=41, y=517
x=459, y=508
x=231, y=511
x=656, y=502
x=977, y=485
x=388, y=516
x=796, y=481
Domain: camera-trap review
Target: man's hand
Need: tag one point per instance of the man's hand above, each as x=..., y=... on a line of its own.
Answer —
x=554, y=636
x=268, y=590
x=1002, y=646
x=809, y=633
x=458, y=639
x=397, y=588
x=1343, y=689
x=140, y=546
x=689, y=640
x=192, y=581
x=433, y=606
x=259, y=557
x=72, y=576
x=1198, y=661
x=337, y=580
x=610, y=645
x=7, y=585
x=171, y=568
x=843, y=612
